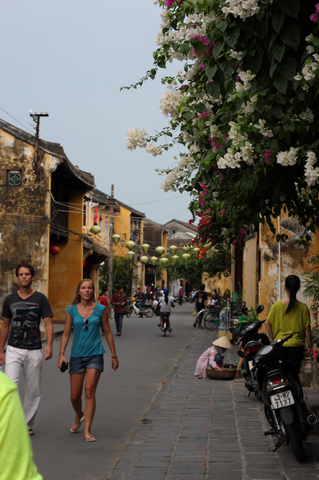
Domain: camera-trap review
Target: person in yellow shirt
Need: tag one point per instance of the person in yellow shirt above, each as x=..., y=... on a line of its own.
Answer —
x=16, y=457
x=288, y=316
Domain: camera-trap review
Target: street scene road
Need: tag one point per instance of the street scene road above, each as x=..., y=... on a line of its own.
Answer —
x=146, y=359
x=155, y=420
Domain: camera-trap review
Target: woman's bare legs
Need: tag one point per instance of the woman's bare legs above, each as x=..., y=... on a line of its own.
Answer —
x=91, y=382
x=77, y=380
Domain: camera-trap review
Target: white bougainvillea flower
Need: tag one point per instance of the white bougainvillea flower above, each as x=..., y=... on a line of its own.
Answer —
x=170, y=102
x=135, y=137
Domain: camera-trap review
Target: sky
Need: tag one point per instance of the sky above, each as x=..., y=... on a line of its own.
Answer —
x=70, y=58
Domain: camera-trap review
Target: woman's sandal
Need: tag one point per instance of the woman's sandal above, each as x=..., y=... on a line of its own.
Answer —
x=89, y=438
x=75, y=428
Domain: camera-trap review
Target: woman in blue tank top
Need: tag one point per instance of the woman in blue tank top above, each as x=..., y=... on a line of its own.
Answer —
x=86, y=361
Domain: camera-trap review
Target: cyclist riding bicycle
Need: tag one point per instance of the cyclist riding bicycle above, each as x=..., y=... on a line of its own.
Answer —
x=166, y=304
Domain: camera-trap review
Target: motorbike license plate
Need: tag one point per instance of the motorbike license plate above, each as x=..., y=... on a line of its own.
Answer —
x=281, y=400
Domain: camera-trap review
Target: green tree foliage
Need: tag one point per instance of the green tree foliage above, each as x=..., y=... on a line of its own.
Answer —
x=122, y=274
x=215, y=263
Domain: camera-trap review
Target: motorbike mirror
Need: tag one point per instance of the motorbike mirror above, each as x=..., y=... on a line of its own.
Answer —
x=244, y=310
x=241, y=354
x=260, y=308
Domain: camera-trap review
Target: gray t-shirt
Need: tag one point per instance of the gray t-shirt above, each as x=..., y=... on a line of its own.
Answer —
x=25, y=319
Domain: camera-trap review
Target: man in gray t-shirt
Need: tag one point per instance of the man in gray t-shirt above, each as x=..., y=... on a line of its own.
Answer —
x=22, y=311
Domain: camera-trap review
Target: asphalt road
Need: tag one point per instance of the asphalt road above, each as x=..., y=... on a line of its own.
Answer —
x=123, y=399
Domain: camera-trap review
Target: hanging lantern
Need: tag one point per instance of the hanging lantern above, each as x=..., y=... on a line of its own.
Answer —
x=130, y=255
x=173, y=249
x=154, y=260
x=54, y=251
x=116, y=238
x=95, y=229
x=207, y=246
x=145, y=248
x=186, y=248
x=200, y=244
x=144, y=259
x=196, y=250
x=84, y=263
x=174, y=259
x=164, y=261
x=186, y=256
x=160, y=250
x=130, y=244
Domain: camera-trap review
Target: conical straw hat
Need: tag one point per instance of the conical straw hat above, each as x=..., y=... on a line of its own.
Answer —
x=222, y=342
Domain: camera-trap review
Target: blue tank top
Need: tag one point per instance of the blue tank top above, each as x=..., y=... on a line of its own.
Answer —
x=86, y=342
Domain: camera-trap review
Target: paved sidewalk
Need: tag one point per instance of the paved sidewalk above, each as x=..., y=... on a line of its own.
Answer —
x=208, y=429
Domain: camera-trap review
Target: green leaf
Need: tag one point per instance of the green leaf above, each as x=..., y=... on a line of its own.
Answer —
x=213, y=89
x=291, y=36
x=218, y=48
x=288, y=68
x=278, y=52
x=222, y=25
x=200, y=108
x=184, y=49
x=273, y=67
x=210, y=71
x=290, y=7
x=278, y=21
x=231, y=36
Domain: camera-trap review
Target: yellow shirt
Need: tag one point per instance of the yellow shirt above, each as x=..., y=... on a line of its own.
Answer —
x=16, y=462
x=295, y=322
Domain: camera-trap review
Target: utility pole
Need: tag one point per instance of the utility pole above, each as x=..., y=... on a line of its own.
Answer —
x=36, y=117
x=110, y=280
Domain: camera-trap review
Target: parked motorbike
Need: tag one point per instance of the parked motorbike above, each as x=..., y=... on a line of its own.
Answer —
x=132, y=307
x=282, y=395
x=165, y=317
x=251, y=342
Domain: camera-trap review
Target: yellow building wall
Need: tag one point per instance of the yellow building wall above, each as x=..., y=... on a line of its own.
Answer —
x=280, y=260
x=250, y=272
x=66, y=268
x=122, y=226
x=221, y=284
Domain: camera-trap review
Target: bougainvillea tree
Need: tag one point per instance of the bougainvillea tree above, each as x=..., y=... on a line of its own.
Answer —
x=244, y=106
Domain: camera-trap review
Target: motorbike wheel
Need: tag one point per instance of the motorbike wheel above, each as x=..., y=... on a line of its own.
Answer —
x=129, y=313
x=149, y=312
x=209, y=321
x=295, y=442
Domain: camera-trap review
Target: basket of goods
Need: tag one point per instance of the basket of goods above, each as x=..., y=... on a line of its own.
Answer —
x=228, y=372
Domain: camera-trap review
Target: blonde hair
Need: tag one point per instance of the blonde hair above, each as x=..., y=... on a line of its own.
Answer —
x=77, y=298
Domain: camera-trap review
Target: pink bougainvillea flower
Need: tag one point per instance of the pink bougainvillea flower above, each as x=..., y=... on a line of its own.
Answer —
x=317, y=8
x=315, y=355
x=169, y=3
x=268, y=153
x=191, y=222
x=314, y=17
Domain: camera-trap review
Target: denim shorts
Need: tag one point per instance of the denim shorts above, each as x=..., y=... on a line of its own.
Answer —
x=80, y=364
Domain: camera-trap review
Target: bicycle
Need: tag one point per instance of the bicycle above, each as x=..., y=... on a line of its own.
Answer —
x=211, y=318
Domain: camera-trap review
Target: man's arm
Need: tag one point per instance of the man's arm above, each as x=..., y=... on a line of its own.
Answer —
x=4, y=332
x=48, y=352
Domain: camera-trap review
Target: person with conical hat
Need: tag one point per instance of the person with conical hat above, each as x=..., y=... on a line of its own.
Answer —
x=213, y=356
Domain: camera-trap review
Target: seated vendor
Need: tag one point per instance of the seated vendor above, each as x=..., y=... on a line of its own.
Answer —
x=213, y=356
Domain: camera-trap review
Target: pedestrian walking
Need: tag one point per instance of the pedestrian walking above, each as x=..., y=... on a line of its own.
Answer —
x=86, y=361
x=180, y=295
x=104, y=298
x=200, y=304
x=119, y=301
x=22, y=311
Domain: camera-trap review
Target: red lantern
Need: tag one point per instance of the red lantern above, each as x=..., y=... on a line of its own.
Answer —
x=84, y=263
x=54, y=251
x=202, y=253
